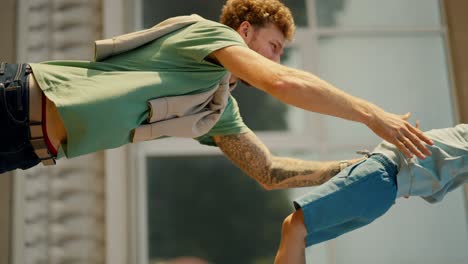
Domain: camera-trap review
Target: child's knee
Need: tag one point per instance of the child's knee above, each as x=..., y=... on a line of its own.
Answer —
x=293, y=224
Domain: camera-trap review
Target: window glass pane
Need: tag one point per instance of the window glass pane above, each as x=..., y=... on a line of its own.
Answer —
x=395, y=13
x=156, y=11
x=299, y=10
x=207, y=208
x=262, y=112
x=406, y=73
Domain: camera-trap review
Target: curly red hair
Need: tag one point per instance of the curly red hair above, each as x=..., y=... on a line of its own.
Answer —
x=258, y=13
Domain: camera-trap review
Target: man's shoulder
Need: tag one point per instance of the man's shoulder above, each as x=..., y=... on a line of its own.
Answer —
x=206, y=23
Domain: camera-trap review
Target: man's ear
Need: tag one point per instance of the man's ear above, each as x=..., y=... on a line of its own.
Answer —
x=245, y=30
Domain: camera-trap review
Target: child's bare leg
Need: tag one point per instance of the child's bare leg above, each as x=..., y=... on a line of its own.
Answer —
x=292, y=245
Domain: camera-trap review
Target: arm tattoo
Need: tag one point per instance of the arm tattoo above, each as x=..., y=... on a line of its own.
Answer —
x=253, y=157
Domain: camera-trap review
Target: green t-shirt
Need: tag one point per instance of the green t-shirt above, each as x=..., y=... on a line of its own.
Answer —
x=100, y=103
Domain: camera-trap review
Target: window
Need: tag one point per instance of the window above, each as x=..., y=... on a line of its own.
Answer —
x=209, y=209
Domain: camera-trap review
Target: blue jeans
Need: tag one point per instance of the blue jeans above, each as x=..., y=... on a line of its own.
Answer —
x=16, y=151
x=352, y=199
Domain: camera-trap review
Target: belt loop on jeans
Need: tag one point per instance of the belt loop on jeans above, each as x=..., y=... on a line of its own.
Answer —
x=2, y=68
x=28, y=69
x=364, y=152
x=35, y=125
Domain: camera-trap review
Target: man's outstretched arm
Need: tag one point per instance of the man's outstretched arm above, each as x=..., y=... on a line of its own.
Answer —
x=307, y=91
x=253, y=157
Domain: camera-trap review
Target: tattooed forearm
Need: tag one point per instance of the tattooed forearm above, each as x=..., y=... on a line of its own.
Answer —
x=249, y=154
x=252, y=156
x=287, y=172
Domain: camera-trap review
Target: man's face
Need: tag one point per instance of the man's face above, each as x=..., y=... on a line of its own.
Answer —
x=268, y=41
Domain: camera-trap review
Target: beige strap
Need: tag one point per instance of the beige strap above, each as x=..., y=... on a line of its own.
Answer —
x=119, y=44
x=187, y=116
x=2, y=68
x=176, y=106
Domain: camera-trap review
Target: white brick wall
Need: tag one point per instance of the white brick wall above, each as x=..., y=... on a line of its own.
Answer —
x=62, y=207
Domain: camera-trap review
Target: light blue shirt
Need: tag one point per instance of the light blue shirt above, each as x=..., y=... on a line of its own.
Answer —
x=438, y=174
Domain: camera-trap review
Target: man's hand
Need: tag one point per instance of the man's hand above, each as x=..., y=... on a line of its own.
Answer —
x=398, y=131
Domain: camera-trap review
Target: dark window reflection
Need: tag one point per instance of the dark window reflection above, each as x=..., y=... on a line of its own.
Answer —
x=203, y=206
x=260, y=111
x=327, y=11
x=156, y=11
x=299, y=11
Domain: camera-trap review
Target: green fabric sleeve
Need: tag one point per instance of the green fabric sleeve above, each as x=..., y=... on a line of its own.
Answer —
x=230, y=123
x=204, y=38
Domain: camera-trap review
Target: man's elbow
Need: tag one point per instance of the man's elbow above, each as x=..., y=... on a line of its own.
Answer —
x=263, y=178
x=267, y=186
x=267, y=182
x=271, y=187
